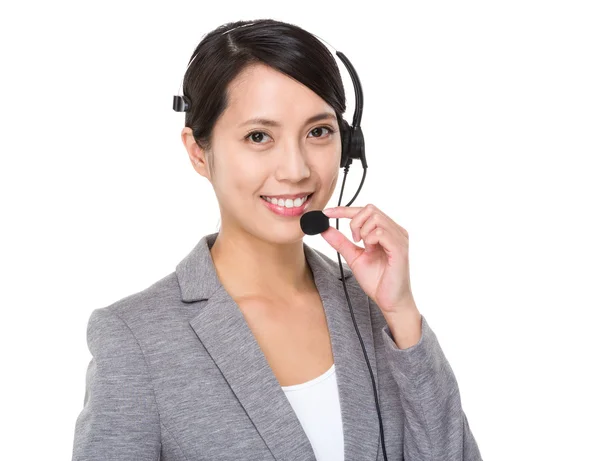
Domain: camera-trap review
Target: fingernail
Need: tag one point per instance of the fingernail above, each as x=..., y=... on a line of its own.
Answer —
x=327, y=210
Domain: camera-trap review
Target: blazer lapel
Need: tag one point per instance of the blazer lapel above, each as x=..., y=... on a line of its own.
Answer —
x=224, y=332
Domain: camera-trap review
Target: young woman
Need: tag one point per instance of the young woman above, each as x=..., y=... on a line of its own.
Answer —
x=247, y=351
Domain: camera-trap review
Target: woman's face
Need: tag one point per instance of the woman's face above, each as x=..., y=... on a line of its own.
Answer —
x=254, y=158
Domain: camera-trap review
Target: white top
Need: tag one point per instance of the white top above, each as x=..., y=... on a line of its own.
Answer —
x=317, y=406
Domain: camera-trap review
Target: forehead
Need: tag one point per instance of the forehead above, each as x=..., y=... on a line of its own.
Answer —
x=260, y=90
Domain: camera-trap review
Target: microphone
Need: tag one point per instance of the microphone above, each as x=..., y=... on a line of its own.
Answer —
x=314, y=222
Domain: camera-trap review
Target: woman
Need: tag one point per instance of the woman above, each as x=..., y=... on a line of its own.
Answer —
x=247, y=350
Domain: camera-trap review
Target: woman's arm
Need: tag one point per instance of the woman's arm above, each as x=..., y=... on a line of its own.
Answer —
x=435, y=426
x=120, y=418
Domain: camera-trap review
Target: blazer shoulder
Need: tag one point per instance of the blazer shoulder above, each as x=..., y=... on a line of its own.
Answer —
x=120, y=418
x=144, y=305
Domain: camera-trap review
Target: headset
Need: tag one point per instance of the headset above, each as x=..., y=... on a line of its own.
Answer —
x=353, y=147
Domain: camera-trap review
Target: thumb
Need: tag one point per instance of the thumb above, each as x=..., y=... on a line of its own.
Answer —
x=342, y=245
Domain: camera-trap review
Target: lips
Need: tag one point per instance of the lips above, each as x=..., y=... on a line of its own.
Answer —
x=308, y=196
x=289, y=212
x=292, y=197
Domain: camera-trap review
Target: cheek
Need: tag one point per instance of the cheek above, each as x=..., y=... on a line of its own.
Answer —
x=242, y=182
x=336, y=175
x=332, y=186
x=333, y=173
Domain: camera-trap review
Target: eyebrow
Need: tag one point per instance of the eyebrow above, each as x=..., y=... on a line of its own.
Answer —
x=268, y=122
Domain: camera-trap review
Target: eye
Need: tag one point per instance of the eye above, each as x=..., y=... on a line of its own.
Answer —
x=320, y=128
x=258, y=136
x=255, y=136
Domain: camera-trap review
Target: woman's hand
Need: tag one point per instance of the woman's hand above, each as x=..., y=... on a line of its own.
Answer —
x=381, y=268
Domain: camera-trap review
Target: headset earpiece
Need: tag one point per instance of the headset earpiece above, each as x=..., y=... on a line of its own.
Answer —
x=180, y=103
x=353, y=145
x=346, y=135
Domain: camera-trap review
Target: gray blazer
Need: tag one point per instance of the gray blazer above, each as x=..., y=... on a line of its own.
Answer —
x=177, y=375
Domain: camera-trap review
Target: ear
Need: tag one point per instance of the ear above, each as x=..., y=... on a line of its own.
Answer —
x=196, y=153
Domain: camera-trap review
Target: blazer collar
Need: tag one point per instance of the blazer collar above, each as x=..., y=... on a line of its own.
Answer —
x=225, y=334
x=198, y=278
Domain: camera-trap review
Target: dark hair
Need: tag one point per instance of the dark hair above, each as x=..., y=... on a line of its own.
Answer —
x=220, y=57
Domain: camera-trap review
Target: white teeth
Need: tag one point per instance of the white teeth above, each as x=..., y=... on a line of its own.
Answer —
x=288, y=203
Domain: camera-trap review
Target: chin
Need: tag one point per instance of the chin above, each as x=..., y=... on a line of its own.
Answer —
x=285, y=234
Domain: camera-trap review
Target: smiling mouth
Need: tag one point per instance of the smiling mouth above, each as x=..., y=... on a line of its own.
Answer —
x=308, y=197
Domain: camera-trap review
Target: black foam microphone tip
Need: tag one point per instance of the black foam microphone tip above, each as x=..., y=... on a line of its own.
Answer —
x=314, y=222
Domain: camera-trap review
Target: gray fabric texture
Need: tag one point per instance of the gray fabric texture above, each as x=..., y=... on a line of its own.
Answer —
x=177, y=375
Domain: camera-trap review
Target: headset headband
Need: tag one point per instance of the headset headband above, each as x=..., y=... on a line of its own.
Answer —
x=181, y=105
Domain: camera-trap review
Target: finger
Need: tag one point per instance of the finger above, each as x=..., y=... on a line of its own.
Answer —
x=358, y=215
x=378, y=237
x=342, y=245
x=342, y=211
x=372, y=221
x=357, y=223
x=368, y=213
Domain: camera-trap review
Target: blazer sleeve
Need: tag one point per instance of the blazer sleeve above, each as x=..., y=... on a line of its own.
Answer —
x=119, y=419
x=435, y=426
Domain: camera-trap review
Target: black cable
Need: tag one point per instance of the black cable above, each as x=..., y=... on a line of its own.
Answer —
x=337, y=222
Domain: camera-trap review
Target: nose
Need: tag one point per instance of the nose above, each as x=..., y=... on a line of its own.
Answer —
x=293, y=165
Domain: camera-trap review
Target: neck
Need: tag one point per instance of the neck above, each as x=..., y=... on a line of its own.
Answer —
x=248, y=266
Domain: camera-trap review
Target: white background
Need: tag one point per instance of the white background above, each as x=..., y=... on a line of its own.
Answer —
x=481, y=123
